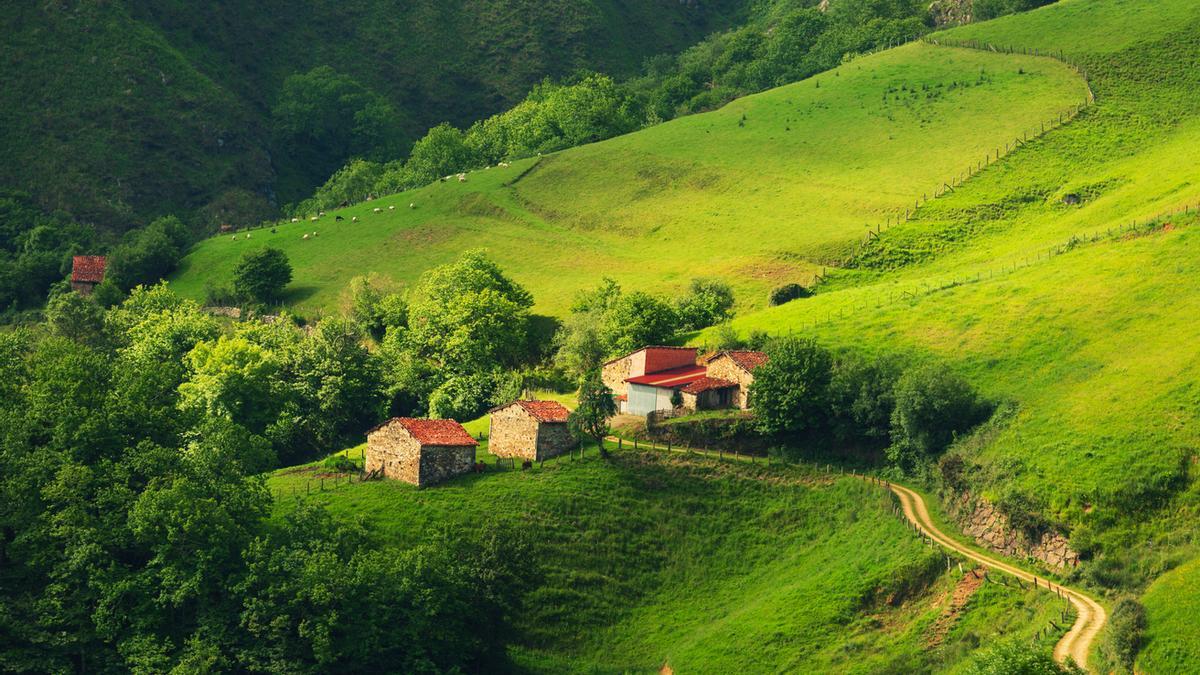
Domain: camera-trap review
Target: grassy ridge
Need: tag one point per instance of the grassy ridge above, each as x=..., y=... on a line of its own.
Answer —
x=763, y=191
x=709, y=566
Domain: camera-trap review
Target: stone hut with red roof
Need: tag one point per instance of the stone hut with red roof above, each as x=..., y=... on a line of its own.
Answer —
x=418, y=451
x=87, y=271
x=737, y=367
x=533, y=430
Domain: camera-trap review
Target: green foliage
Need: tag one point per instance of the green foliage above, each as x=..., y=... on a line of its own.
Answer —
x=1126, y=633
x=933, y=407
x=787, y=293
x=638, y=319
x=148, y=255
x=589, y=419
x=373, y=309
x=262, y=274
x=707, y=303
x=790, y=392
x=862, y=398
x=1012, y=658
x=232, y=379
x=75, y=317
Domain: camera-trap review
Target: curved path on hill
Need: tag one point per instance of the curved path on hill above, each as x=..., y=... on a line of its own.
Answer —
x=1077, y=643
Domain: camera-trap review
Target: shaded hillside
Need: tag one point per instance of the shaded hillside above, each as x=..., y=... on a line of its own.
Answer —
x=115, y=112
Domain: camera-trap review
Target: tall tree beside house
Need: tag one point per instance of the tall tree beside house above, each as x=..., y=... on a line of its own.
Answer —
x=261, y=275
x=596, y=407
x=791, y=390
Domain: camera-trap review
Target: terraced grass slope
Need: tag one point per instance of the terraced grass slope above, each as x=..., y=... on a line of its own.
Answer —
x=707, y=566
x=764, y=191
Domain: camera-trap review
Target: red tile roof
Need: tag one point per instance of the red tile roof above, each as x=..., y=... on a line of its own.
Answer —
x=542, y=411
x=746, y=359
x=88, y=268
x=708, y=383
x=433, y=432
x=671, y=379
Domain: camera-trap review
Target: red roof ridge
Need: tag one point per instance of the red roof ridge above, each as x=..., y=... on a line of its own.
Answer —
x=431, y=432
x=628, y=354
x=746, y=359
x=551, y=412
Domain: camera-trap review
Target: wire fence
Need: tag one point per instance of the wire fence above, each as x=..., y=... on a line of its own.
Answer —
x=951, y=184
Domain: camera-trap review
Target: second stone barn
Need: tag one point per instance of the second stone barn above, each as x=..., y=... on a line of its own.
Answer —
x=418, y=451
x=533, y=430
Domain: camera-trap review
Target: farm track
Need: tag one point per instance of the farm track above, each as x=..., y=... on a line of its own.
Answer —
x=1090, y=618
x=1090, y=615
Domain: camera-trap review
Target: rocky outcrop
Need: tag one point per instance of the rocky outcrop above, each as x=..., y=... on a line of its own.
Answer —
x=990, y=528
x=951, y=12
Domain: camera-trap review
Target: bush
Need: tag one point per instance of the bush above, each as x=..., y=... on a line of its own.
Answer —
x=708, y=302
x=1125, y=629
x=862, y=398
x=1013, y=658
x=262, y=274
x=340, y=463
x=787, y=293
x=933, y=407
x=790, y=392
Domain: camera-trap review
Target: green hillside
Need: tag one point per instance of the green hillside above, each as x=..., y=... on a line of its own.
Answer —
x=704, y=565
x=1059, y=279
x=116, y=112
x=763, y=191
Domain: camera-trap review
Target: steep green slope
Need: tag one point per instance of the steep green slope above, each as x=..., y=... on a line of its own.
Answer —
x=704, y=565
x=119, y=111
x=765, y=190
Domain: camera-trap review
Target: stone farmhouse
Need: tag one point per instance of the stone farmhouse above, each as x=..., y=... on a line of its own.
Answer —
x=87, y=271
x=421, y=452
x=532, y=430
x=648, y=379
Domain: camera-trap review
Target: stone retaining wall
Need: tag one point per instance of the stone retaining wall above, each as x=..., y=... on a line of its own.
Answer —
x=990, y=528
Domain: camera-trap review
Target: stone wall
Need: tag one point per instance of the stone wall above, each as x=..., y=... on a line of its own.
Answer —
x=614, y=375
x=553, y=440
x=442, y=462
x=513, y=433
x=400, y=457
x=723, y=368
x=990, y=528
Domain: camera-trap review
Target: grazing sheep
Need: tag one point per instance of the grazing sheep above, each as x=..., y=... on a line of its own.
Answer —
x=321, y=213
x=378, y=210
x=392, y=207
x=247, y=235
x=314, y=234
x=234, y=237
x=354, y=219
x=295, y=220
x=503, y=164
x=412, y=206
x=462, y=177
x=313, y=219
x=304, y=237
x=338, y=218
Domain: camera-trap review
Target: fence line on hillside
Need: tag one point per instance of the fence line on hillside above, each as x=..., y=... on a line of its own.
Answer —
x=948, y=186
x=1020, y=262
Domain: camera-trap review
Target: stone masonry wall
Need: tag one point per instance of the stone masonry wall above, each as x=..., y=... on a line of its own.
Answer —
x=991, y=529
x=614, y=375
x=513, y=433
x=442, y=462
x=394, y=450
x=723, y=368
x=553, y=439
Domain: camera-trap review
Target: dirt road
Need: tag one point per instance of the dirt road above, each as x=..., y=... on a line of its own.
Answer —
x=1077, y=643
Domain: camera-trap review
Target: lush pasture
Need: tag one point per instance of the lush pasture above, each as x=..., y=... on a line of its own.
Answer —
x=709, y=566
x=762, y=191
x=1173, y=603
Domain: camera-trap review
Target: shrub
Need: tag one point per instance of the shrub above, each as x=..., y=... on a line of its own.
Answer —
x=262, y=274
x=862, y=398
x=1125, y=629
x=340, y=463
x=787, y=293
x=791, y=390
x=708, y=302
x=933, y=407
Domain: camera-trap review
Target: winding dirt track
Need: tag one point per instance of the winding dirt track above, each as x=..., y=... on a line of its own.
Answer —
x=1077, y=643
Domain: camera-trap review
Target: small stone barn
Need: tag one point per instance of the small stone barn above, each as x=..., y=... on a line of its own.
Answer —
x=421, y=452
x=736, y=367
x=87, y=271
x=709, y=393
x=533, y=430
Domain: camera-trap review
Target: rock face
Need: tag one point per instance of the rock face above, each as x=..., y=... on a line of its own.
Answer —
x=991, y=529
x=951, y=12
